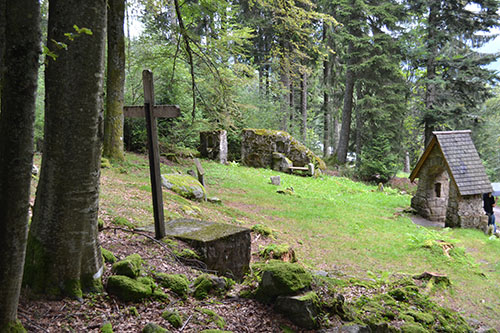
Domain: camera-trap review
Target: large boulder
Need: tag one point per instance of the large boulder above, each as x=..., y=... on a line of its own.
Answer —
x=282, y=279
x=184, y=185
x=258, y=146
x=302, y=310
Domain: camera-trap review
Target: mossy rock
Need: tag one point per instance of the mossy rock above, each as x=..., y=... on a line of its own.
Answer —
x=173, y=317
x=413, y=328
x=154, y=328
x=213, y=317
x=184, y=185
x=422, y=317
x=278, y=251
x=262, y=229
x=178, y=283
x=131, y=266
x=215, y=331
x=187, y=254
x=128, y=289
x=282, y=279
x=108, y=256
x=202, y=286
x=105, y=163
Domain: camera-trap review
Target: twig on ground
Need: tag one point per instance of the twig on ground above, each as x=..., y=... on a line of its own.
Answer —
x=185, y=323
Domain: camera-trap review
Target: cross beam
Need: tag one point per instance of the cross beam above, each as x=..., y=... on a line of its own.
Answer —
x=151, y=112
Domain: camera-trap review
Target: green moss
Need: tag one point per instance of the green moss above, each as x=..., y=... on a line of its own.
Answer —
x=128, y=289
x=100, y=224
x=170, y=243
x=262, y=229
x=108, y=256
x=215, y=331
x=131, y=266
x=184, y=185
x=281, y=279
x=89, y=284
x=213, y=317
x=173, y=318
x=122, y=222
x=178, y=283
x=422, y=317
x=187, y=254
x=153, y=328
x=202, y=286
x=107, y=328
x=278, y=251
x=13, y=327
x=73, y=288
x=133, y=311
x=413, y=328
x=105, y=163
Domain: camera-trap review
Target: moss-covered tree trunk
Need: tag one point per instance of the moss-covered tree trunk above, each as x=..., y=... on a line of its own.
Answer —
x=22, y=35
x=113, y=121
x=63, y=255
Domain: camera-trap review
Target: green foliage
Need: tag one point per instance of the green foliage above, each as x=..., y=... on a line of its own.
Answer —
x=378, y=162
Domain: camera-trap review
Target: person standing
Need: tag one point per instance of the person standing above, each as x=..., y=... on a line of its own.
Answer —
x=489, y=202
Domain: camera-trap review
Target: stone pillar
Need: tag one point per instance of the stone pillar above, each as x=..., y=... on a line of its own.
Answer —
x=213, y=145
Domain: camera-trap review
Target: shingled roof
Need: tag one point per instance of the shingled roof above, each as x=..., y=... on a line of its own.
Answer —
x=462, y=162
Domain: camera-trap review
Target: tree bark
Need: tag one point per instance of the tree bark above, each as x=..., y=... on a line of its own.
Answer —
x=113, y=121
x=327, y=125
x=430, y=91
x=345, y=130
x=63, y=255
x=22, y=36
x=303, y=106
x=285, y=96
x=3, y=4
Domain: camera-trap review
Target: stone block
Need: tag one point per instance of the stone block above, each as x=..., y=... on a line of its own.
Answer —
x=213, y=145
x=224, y=248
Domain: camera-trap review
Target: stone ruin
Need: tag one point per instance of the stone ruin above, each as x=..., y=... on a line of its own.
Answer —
x=451, y=182
x=213, y=145
x=278, y=150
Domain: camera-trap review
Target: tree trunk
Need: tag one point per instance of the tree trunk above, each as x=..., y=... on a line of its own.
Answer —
x=303, y=106
x=359, y=130
x=430, y=91
x=3, y=4
x=407, y=162
x=63, y=256
x=22, y=35
x=327, y=125
x=345, y=130
x=113, y=121
x=292, y=108
x=285, y=99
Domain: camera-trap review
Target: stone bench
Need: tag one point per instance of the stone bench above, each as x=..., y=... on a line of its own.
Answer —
x=224, y=248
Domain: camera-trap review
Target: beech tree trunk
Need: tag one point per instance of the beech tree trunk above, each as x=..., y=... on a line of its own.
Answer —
x=113, y=121
x=63, y=255
x=285, y=96
x=345, y=130
x=22, y=36
x=3, y=4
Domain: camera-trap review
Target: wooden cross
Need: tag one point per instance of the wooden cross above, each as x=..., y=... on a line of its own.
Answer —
x=151, y=112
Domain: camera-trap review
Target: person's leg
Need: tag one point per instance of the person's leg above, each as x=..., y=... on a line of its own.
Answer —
x=493, y=222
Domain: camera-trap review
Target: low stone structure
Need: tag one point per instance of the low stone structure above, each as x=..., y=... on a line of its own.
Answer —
x=224, y=248
x=263, y=148
x=213, y=145
x=451, y=182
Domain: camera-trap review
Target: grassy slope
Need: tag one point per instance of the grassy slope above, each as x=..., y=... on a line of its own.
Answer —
x=333, y=223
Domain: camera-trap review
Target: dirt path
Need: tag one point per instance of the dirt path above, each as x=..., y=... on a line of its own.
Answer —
x=433, y=224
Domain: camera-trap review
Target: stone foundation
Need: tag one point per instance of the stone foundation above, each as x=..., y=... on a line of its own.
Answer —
x=224, y=248
x=466, y=211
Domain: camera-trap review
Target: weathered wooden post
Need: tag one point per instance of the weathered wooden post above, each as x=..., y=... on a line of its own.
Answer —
x=151, y=112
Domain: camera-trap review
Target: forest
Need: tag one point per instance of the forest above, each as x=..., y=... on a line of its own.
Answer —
x=363, y=83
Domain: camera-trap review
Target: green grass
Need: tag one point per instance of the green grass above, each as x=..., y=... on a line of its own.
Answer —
x=332, y=223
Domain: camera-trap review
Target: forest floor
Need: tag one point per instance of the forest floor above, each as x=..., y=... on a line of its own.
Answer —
x=347, y=229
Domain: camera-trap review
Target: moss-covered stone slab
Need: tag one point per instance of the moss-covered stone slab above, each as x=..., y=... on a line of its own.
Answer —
x=224, y=248
x=302, y=310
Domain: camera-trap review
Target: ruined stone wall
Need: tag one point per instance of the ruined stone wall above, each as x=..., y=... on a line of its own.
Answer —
x=431, y=199
x=258, y=146
x=213, y=145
